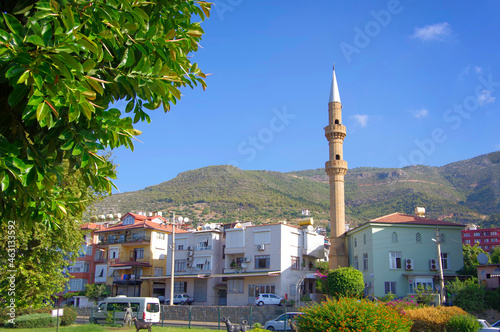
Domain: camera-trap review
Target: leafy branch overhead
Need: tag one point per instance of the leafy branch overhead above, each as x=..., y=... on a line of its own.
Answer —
x=62, y=65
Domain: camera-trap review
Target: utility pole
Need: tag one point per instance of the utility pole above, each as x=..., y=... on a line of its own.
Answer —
x=441, y=278
x=173, y=261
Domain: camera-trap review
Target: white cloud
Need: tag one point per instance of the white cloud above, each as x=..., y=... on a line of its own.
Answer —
x=433, y=32
x=420, y=113
x=361, y=119
x=478, y=70
x=485, y=97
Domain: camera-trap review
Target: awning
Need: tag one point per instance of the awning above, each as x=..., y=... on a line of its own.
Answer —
x=168, y=277
x=220, y=286
x=495, y=273
x=122, y=267
x=249, y=274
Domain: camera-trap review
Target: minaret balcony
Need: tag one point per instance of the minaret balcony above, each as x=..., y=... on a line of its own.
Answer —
x=335, y=129
x=336, y=167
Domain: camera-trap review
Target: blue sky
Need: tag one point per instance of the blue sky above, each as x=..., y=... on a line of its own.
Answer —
x=418, y=82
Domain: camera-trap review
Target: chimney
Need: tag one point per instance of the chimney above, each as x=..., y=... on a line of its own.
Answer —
x=420, y=212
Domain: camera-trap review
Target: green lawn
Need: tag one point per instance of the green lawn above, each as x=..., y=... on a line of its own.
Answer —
x=99, y=328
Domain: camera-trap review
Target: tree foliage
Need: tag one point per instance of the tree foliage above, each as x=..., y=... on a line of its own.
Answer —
x=97, y=292
x=62, y=64
x=470, y=259
x=495, y=255
x=342, y=282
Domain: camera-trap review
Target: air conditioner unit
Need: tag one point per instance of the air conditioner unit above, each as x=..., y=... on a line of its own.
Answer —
x=190, y=259
x=189, y=264
x=261, y=247
x=433, y=265
x=409, y=264
x=247, y=259
x=190, y=253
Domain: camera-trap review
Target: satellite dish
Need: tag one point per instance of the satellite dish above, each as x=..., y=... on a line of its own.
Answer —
x=482, y=258
x=244, y=265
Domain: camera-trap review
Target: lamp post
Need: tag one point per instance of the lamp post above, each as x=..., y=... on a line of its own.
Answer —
x=440, y=266
x=180, y=219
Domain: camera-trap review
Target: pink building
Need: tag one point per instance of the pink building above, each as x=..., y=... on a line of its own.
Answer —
x=486, y=238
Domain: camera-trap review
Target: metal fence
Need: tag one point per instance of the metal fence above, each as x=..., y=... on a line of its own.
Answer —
x=208, y=316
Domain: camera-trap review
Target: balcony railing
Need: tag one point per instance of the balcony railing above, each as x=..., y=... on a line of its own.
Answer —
x=204, y=247
x=125, y=239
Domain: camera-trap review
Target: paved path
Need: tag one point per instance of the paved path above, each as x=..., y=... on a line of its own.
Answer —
x=181, y=323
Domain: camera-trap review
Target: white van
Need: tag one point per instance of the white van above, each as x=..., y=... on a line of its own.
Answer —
x=144, y=308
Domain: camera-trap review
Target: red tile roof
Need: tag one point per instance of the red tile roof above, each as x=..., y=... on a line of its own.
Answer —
x=401, y=218
x=92, y=226
x=142, y=224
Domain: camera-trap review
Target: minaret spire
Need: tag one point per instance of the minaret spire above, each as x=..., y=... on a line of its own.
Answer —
x=336, y=168
x=334, y=90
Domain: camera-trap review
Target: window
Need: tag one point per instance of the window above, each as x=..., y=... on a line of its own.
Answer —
x=77, y=284
x=158, y=271
x=355, y=242
x=477, y=234
x=235, y=239
x=466, y=234
x=180, y=265
x=181, y=244
x=262, y=261
x=235, y=286
x=160, y=236
x=420, y=283
x=337, y=157
x=442, y=238
x=394, y=260
x=364, y=238
x=365, y=261
x=486, y=240
x=202, y=263
x=255, y=290
x=203, y=243
x=467, y=241
x=180, y=287
x=390, y=287
x=493, y=233
x=159, y=253
x=356, y=263
x=262, y=237
x=295, y=263
x=445, y=261
x=418, y=238
x=394, y=237
x=139, y=253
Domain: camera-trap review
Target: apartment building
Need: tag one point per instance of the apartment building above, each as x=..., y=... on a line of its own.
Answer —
x=130, y=250
x=486, y=238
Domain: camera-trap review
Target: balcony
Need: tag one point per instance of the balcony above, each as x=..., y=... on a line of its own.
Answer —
x=203, y=247
x=127, y=279
x=130, y=240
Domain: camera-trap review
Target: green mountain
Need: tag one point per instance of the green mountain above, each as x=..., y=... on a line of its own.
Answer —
x=464, y=191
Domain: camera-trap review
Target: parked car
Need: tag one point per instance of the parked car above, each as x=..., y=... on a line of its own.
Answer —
x=181, y=299
x=486, y=327
x=281, y=321
x=266, y=298
x=496, y=324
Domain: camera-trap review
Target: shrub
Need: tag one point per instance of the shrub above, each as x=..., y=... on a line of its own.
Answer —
x=341, y=282
x=32, y=321
x=351, y=314
x=468, y=295
x=69, y=316
x=433, y=319
x=463, y=323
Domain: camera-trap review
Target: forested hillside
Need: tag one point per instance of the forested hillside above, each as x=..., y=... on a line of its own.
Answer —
x=465, y=191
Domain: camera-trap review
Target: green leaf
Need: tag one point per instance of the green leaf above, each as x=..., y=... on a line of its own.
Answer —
x=5, y=182
x=88, y=45
x=14, y=70
x=18, y=94
x=71, y=61
x=124, y=58
x=36, y=40
x=74, y=113
x=89, y=65
x=24, y=77
x=68, y=145
x=42, y=110
x=130, y=106
x=77, y=150
x=13, y=24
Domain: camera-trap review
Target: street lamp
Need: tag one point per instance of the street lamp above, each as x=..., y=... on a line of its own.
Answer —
x=181, y=220
x=440, y=265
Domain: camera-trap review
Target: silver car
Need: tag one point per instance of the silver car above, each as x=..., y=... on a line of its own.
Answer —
x=281, y=322
x=267, y=298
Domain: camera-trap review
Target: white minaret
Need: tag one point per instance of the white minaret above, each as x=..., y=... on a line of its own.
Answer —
x=336, y=168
